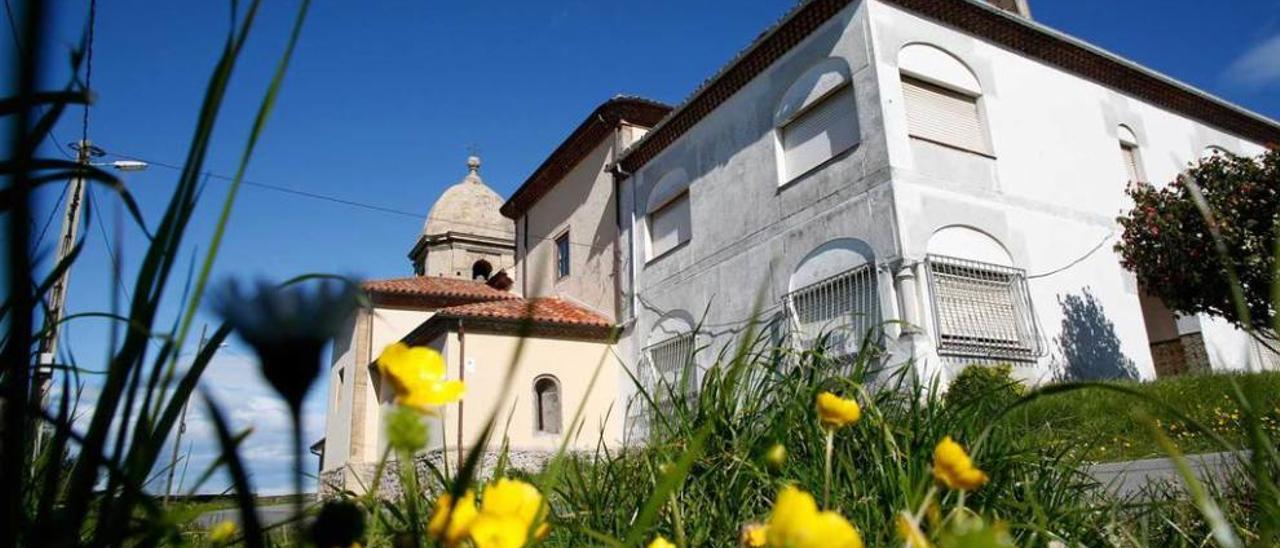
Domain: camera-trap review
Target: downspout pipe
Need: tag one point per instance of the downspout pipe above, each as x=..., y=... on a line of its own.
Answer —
x=462, y=376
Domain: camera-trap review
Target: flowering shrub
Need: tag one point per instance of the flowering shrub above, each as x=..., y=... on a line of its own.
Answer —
x=1208, y=237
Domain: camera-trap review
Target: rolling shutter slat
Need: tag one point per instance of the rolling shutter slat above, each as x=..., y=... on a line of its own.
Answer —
x=942, y=115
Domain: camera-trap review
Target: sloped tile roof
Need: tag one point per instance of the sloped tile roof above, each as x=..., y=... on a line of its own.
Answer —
x=541, y=310
x=540, y=317
x=598, y=126
x=431, y=292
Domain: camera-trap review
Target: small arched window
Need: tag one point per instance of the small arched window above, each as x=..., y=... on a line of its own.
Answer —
x=481, y=270
x=546, y=401
x=816, y=119
x=1129, y=154
x=941, y=98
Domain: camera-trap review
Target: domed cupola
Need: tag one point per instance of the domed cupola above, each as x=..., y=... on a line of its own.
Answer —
x=465, y=235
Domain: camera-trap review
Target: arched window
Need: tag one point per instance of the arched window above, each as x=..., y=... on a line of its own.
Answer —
x=546, y=401
x=667, y=215
x=481, y=270
x=816, y=120
x=1129, y=154
x=941, y=98
x=981, y=304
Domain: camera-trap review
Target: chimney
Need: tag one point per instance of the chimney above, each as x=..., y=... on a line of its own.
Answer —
x=1016, y=7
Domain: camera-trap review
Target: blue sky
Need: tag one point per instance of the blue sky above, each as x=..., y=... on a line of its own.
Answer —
x=383, y=102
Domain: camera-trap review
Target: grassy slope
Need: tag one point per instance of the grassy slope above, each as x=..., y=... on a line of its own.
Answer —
x=1108, y=426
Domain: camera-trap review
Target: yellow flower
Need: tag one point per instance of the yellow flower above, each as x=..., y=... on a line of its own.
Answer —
x=953, y=467
x=450, y=523
x=660, y=542
x=797, y=523
x=910, y=533
x=417, y=375
x=509, y=511
x=776, y=456
x=835, y=412
x=754, y=535
x=223, y=532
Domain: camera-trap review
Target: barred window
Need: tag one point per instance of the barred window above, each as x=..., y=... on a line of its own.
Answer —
x=844, y=307
x=669, y=370
x=982, y=309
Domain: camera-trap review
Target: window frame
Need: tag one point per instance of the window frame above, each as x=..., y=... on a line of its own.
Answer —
x=985, y=148
x=1026, y=344
x=564, y=256
x=650, y=254
x=785, y=175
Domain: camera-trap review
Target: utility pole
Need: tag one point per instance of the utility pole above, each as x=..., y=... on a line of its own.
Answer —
x=182, y=428
x=85, y=151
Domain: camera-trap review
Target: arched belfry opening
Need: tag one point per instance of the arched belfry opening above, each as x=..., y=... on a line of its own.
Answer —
x=481, y=270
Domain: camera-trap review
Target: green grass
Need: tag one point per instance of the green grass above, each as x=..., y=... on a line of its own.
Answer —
x=1105, y=426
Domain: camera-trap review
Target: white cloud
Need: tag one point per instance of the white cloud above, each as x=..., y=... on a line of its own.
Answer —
x=1258, y=67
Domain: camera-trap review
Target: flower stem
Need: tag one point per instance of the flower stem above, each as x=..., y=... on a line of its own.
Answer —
x=826, y=475
x=296, y=415
x=679, y=521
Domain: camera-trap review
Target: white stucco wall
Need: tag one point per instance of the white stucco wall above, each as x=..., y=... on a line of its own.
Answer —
x=1053, y=185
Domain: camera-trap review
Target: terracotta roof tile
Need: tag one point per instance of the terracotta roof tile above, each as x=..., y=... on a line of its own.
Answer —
x=432, y=292
x=546, y=317
x=541, y=310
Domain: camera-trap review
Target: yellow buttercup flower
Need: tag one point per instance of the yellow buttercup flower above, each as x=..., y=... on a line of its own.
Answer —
x=451, y=523
x=910, y=533
x=660, y=542
x=953, y=467
x=223, y=532
x=797, y=523
x=754, y=535
x=835, y=412
x=417, y=374
x=509, y=511
x=776, y=456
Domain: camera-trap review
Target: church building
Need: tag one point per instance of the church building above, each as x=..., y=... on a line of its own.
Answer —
x=942, y=176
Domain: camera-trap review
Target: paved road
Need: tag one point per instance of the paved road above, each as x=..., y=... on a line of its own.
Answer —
x=1130, y=478
x=268, y=515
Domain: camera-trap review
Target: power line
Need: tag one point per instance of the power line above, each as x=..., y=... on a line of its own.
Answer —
x=88, y=70
x=117, y=273
x=338, y=200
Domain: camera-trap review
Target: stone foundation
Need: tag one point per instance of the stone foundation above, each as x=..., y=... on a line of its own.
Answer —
x=356, y=478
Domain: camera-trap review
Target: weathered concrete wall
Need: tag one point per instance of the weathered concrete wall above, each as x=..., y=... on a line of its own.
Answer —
x=749, y=234
x=359, y=477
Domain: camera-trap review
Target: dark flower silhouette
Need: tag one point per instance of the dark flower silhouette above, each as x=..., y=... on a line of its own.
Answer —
x=287, y=327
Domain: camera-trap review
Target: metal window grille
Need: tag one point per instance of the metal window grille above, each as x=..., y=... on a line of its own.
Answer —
x=844, y=307
x=667, y=372
x=982, y=310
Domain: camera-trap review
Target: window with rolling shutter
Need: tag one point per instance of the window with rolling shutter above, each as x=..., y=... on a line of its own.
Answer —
x=669, y=225
x=819, y=133
x=943, y=116
x=982, y=309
